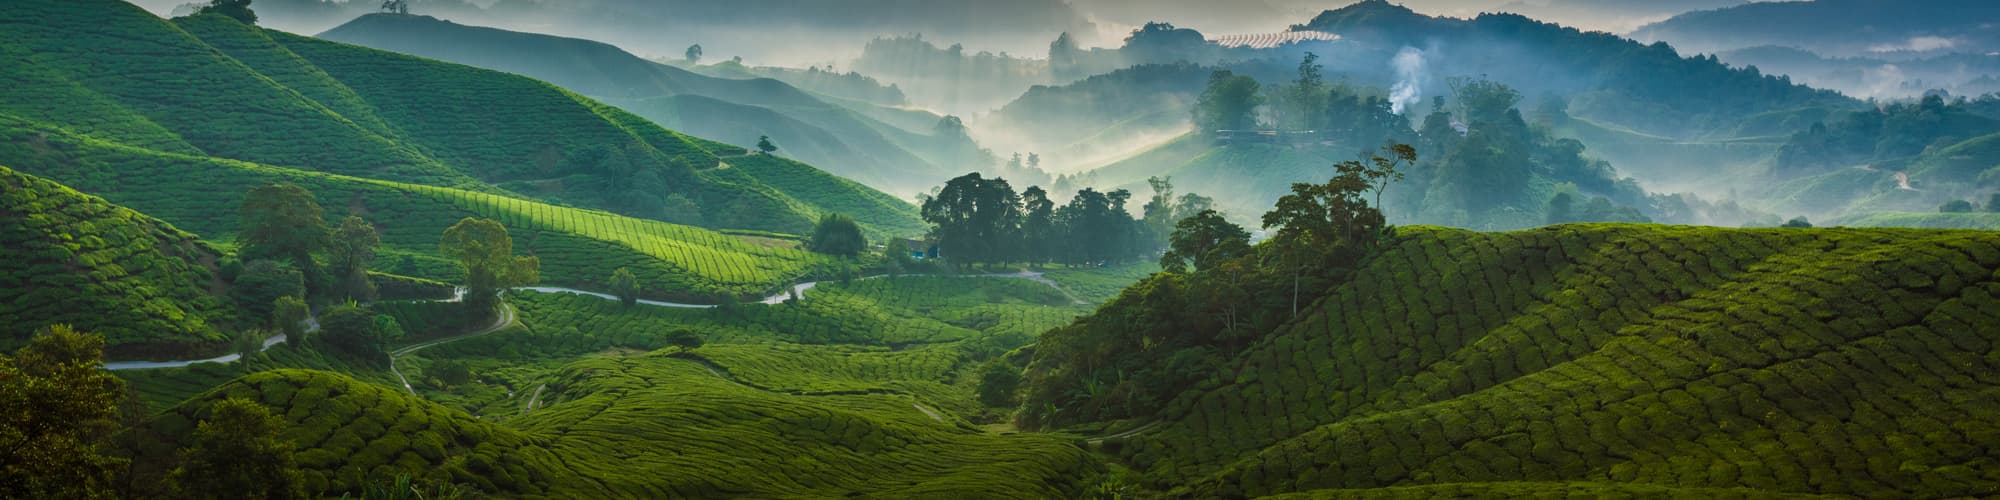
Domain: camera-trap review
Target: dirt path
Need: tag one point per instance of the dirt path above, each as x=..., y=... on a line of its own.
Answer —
x=506, y=320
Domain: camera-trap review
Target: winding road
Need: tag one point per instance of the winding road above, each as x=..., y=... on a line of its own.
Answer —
x=507, y=319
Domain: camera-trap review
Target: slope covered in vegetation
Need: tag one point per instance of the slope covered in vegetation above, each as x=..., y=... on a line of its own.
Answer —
x=738, y=111
x=645, y=427
x=210, y=85
x=576, y=246
x=1580, y=358
x=71, y=258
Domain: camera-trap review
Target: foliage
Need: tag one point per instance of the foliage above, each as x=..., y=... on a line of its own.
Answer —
x=998, y=383
x=57, y=407
x=838, y=235
x=625, y=286
x=1229, y=103
x=262, y=282
x=282, y=221
x=290, y=313
x=235, y=9
x=354, y=330
x=1203, y=241
x=1956, y=207
x=764, y=145
x=74, y=259
x=1798, y=223
x=482, y=248
x=350, y=250
x=238, y=452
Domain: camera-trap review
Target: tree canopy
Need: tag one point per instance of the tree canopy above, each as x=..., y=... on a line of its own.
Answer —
x=349, y=251
x=57, y=408
x=235, y=9
x=837, y=234
x=486, y=254
x=283, y=221
x=238, y=453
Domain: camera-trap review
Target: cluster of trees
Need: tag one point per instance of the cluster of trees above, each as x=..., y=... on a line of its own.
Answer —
x=1963, y=206
x=1891, y=132
x=68, y=430
x=1217, y=294
x=289, y=260
x=979, y=220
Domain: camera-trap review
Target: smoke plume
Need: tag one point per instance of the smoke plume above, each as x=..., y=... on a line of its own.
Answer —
x=1409, y=88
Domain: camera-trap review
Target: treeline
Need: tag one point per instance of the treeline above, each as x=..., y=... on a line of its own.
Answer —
x=1219, y=294
x=976, y=220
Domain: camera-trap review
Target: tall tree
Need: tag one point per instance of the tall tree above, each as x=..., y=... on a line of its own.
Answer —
x=1229, y=103
x=1308, y=94
x=694, y=54
x=1203, y=241
x=974, y=219
x=290, y=313
x=349, y=251
x=837, y=234
x=1159, y=211
x=486, y=254
x=238, y=453
x=625, y=286
x=1330, y=226
x=764, y=145
x=262, y=282
x=282, y=221
x=1039, y=237
x=57, y=406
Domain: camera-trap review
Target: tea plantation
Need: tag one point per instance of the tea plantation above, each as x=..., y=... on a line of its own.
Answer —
x=212, y=86
x=649, y=426
x=576, y=246
x=1621, y=358
x=67, y=257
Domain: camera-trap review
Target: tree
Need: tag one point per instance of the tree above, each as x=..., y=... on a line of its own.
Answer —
x=1799, y=222
x=686, y=340
x=57, y=409
x=1229, y=103
x=998, y=383
x=262, y=282
x=451, y=372
x=1956, y=207
x=1333, y=224
x=1159, y=211
x=349, y=328
x=694, y=54
x=1562, y=209
x=1993, y=203
x=1039, y=237
x=238, y=453
x=486, y=254
x=1308, y=94
x=625, y=286
x=349, y=251
x=236, y=9
x=1204, y=240
x=764, y=145
x=837, y=234
x=281, y=221
x=289, y=313
x=974, y=219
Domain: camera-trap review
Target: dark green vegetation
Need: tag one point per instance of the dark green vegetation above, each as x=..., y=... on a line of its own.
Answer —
x=342, y=109
x=57, y=409
x=809, y=127
x=1583, y=357
x=1905, y=157
x=71, y=258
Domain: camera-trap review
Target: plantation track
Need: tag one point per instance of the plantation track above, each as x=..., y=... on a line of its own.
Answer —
x=506, y=320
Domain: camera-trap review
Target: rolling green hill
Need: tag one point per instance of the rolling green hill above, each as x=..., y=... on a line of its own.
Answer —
x=211, y=86
x=1618, y=359
x=76, y=259
x=647, y=426
x=576, y=246
x=737, y=111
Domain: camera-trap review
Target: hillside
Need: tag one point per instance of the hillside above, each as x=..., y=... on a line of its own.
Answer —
x=576, y=246
x=829, y=136
x=76, y=259
x=360, y=112
x=1593, y=358
x=1835, y=27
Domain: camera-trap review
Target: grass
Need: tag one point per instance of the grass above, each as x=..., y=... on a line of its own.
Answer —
x=1987, y=221
x=1832, y=361
x=67, y=257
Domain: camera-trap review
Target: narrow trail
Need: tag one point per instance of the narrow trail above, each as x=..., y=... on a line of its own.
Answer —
x=506, y=319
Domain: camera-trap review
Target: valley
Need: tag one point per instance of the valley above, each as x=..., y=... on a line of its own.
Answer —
x=856, y=249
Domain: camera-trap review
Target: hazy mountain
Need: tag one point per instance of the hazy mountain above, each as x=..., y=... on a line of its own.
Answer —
x=1965, y=74
x=729, y=110
x=1893, y=28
